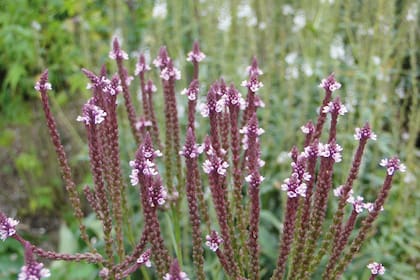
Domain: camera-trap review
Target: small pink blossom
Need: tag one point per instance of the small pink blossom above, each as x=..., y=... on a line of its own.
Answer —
x=364, y=133
x=170, y=72
x=91, y=114
x=252, y=84
x=213, y=240
x=335, y=107
x=293, y=187
x=150, y=87
x=145, y=258
x=195, y=55
x=308, y=128
x=43, y=86
x=330, y=84
x=253, y=69
x=117, y=53
x=33, y=271
x=141, y=66
x=357, y=203
x=376, y=268
x=7, y=227
x=192, y=91
x=392, y=165
x=330, y=151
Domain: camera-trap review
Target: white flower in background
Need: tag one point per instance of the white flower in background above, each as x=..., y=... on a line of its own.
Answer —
x=160, y=9
x=376, y=60
x=327, y=1
x=412, y=13
x=287, y=10
x=245, y=12
x=307, y=69
x=292, y=73
x=299, y=21
x=224, y=19
x=291, y=58
x=337, y=50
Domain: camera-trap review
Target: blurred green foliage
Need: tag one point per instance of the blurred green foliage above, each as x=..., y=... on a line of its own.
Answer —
x=372, y=46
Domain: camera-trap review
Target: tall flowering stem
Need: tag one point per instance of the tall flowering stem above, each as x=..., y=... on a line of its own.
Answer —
x=153, y=195
x=42, y=86
x=92, y=116
x=191, y=152
x=330, y=153
x=195, y=56
x=295, y=186
x=234, y=103
x=362, y=135
x=329, y=85
x=254, y=179
x=311, y=154
x=216, y=169
x=105, y=92
x=119, y=56
x=392, y=165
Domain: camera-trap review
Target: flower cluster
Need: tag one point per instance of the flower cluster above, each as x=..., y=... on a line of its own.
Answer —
x=364, y=133
x=213, y=240
x=330, y=151
x=376, y=268
x=330, y=84
x=145, y=258
x=7, y=227
x=91, y=114
x=392, y=165
x=33, y=271
x=294, y=187
x=195, y=55
x=192, y=91
x=141, y=66
x=335, y=107
x=253, y=84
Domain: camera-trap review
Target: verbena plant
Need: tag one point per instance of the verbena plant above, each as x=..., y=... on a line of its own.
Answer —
x=230, y=169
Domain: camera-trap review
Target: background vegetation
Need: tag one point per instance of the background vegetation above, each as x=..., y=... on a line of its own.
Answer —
x=372, y=46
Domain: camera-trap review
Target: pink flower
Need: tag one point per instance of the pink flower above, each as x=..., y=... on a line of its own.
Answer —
x=42, y=86
x=7, y=227
x=308, y=128
x=91, y=114
x=376, y=268
x=293, y=187
x=150, y=87
x=335, y=107
x=33, y=271
x=364, y=133
x=117, y=53
x=253, y=68
x=170, y=72
x=162, y=59
x=253, y=83
x=392, y=165
x=330, y=84
x=192, y=91
x=195, y=55
x=213, y=240
x=330, y=151
x=141, y=66
x=357, y=203
x=145, y=258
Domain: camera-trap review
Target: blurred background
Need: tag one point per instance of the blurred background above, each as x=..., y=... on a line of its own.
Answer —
x=373, y=47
